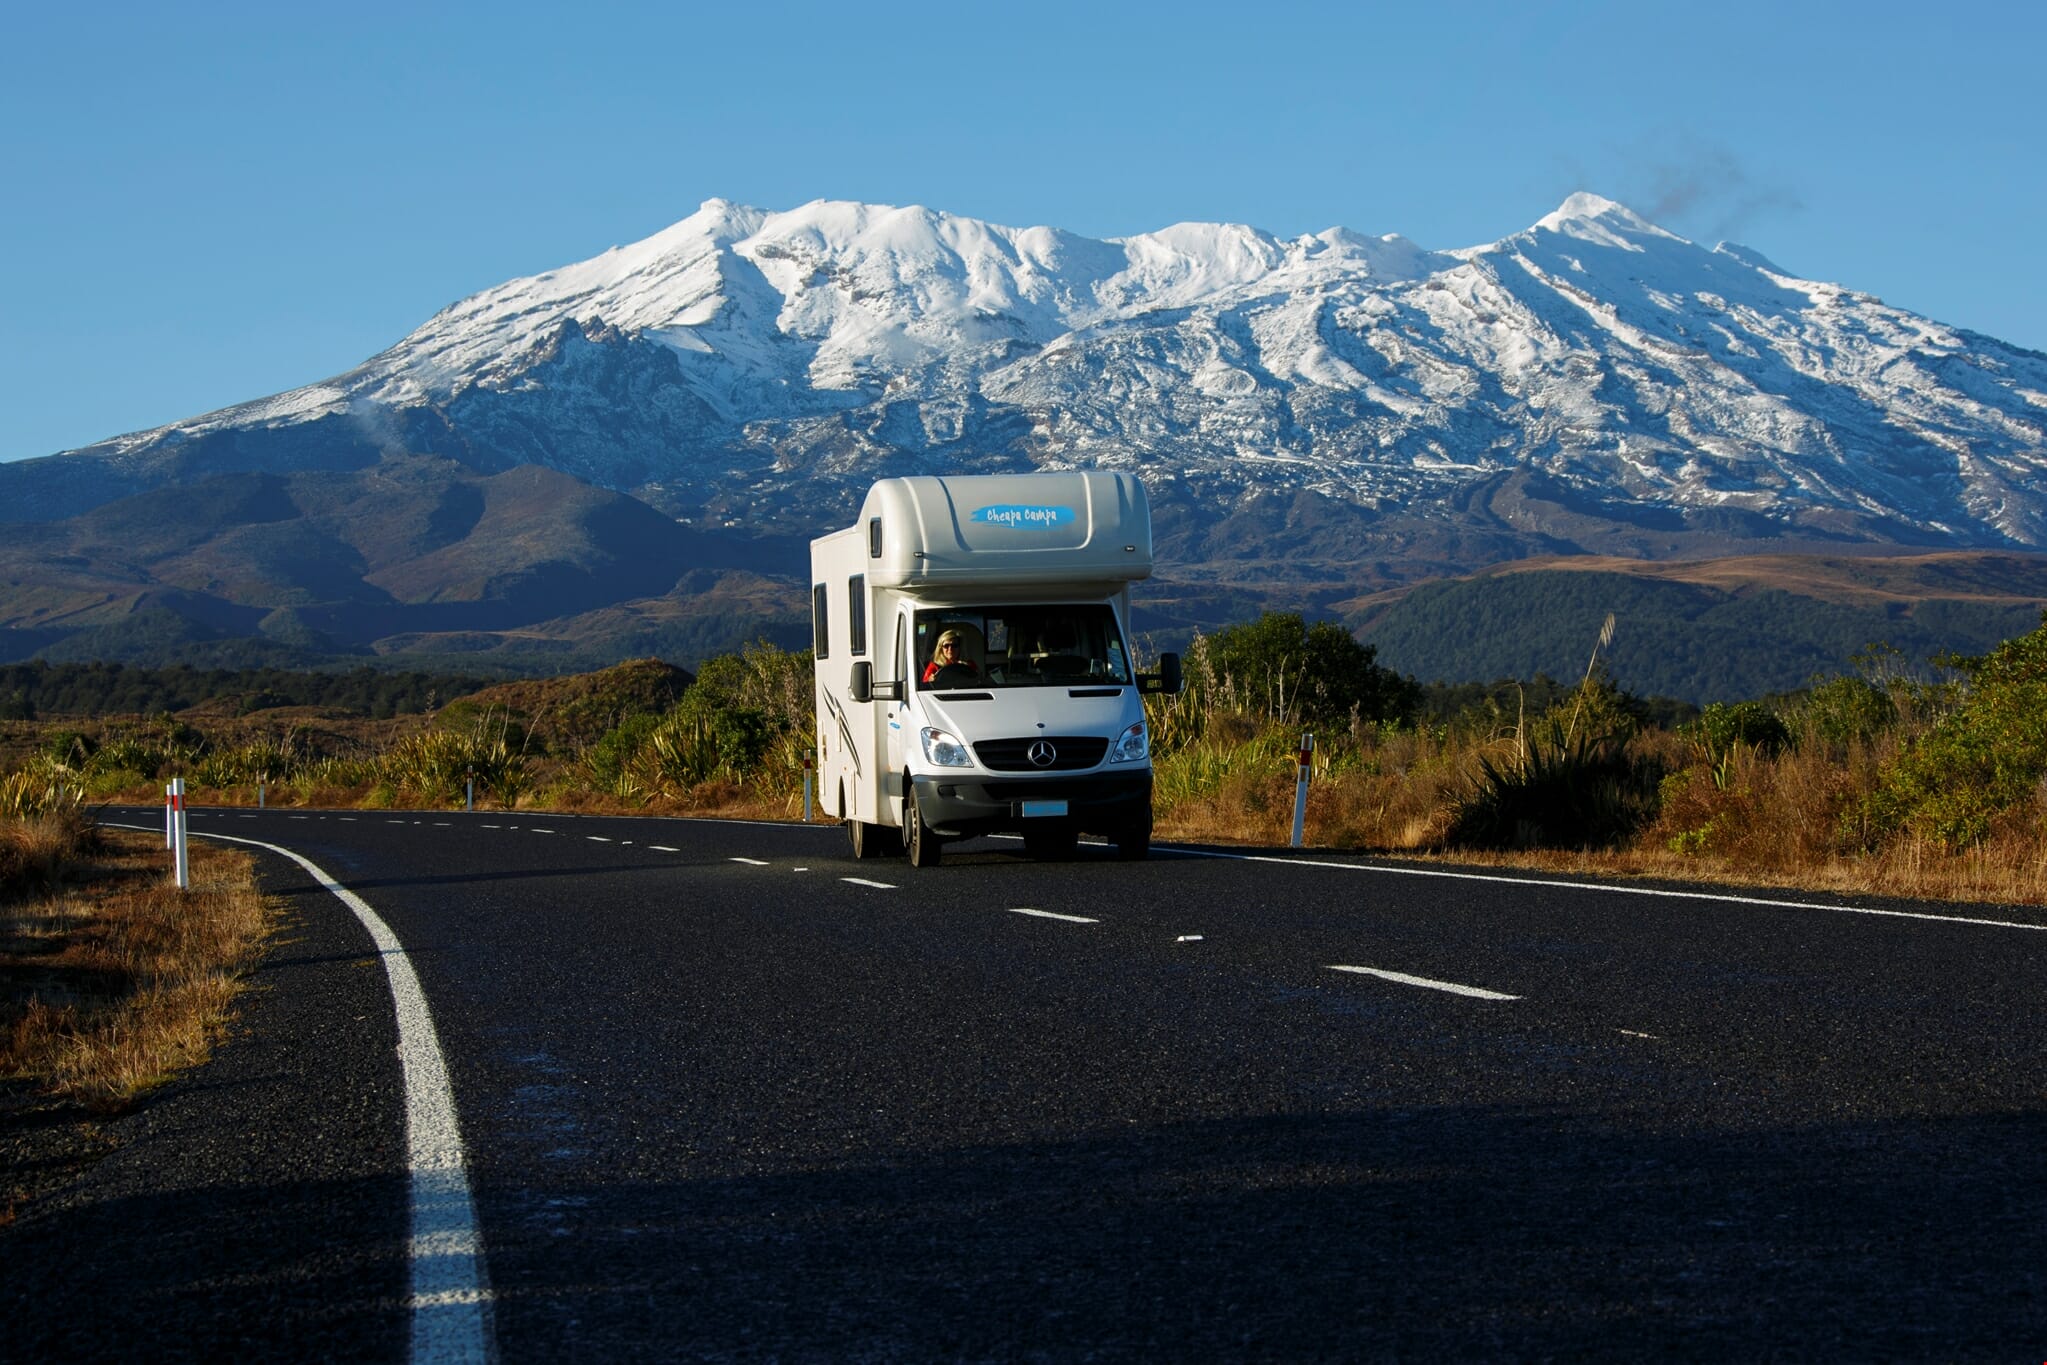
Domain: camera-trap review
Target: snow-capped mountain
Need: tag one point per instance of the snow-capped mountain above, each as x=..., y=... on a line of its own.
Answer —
x=1592, y=383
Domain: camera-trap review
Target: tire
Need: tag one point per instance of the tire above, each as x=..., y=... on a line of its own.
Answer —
x=1050, y=845
x=1133, y=843
x=918, y=840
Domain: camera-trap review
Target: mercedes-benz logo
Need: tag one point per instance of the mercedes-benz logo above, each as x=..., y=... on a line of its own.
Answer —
x=1042, y=753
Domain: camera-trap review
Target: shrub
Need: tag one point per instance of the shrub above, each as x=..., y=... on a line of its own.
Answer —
x=1722, y=731
x=700, y=741
x=1596, y=707
x=1280, y=668
x=437, y=765
x=1561, y=791
x=41, y=787
x=1981, y=760
x=1847, y=710
x=609, y=761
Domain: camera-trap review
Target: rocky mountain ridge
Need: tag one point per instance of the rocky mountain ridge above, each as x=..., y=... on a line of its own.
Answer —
x=1593, y=384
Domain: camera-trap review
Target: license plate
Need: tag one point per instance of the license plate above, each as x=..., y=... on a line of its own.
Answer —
x=1030, y=808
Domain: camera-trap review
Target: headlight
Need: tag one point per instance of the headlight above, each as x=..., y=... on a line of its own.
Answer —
x=1134, y=745
x=944, y=751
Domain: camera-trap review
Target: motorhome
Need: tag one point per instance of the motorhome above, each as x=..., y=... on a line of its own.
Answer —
x=974, y=664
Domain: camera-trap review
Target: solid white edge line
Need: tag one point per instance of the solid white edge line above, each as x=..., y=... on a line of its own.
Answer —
x=1475, y=992
x=1719, y=896
x=451, y=1300
x=1048, y=914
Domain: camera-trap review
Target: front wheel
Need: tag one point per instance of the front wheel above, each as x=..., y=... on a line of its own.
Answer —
x=918, y=840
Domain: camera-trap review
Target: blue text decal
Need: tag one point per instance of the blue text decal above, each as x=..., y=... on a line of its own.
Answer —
x=1024, y=518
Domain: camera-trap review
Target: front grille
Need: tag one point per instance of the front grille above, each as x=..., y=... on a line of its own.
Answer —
x=1072, y=753
x=1098, y=787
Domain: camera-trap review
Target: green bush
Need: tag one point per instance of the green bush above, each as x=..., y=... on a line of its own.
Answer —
x=1722, y=731
x=1984, y=758
x=1847, y=710
x=609, y=761
x=1285, y=670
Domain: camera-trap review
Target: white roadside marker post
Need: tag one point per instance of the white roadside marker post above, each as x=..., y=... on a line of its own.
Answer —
x=807, y=763
x=170, y=818
x=260, y=782
x=1301, y=788
x=469, y=791
x=183, y=856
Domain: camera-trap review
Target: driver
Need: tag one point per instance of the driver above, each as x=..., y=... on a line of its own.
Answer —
x=948, y=654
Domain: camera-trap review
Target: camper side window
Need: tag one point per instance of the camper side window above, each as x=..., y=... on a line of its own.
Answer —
x=856, y=614
x=820, y=637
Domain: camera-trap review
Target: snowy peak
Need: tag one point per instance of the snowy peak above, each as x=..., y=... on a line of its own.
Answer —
x=1593, y=218
x=1593, y=381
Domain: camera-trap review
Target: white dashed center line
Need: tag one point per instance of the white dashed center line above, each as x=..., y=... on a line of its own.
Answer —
x=862, y=881
x=663, y=848
x=1475, y=992
x=1049, y=914
x=597, y=839
x=750, y=862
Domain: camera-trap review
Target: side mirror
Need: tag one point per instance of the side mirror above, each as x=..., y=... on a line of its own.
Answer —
x=1169, y=679
x=861, y=684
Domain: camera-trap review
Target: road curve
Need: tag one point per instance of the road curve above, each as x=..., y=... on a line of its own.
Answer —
x=726, y=1093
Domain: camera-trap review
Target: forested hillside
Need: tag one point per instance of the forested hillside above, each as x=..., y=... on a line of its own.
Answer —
x=103, y=689
x=1672, y=639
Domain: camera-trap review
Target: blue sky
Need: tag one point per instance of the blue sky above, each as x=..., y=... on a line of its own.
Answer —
x=210, y=202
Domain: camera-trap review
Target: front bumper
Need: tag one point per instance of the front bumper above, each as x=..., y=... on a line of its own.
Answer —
x=1096, y=803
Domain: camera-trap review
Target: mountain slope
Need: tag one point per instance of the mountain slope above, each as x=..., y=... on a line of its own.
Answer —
x=414, y=554
x=1593, y=384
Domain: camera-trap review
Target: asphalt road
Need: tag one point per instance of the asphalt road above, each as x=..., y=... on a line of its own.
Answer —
x=726, y=1093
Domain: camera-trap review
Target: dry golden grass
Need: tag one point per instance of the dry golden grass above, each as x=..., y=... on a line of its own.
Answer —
x=116, y=979
x=1784, y=821
x=36, y=853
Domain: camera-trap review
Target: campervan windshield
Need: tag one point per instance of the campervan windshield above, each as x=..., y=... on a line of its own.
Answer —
x=1019, y=646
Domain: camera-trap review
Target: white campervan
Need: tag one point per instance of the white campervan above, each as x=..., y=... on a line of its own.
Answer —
x=974, y=666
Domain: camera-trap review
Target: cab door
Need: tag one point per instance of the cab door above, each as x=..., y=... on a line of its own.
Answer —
x=901, y=724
